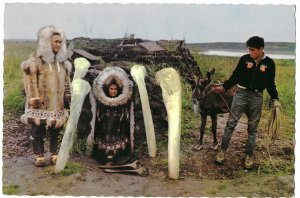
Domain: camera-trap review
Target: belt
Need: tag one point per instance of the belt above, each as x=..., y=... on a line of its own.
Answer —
x=245, y=88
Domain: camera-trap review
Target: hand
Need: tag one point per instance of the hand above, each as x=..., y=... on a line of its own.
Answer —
x=276, y=104
x=35, y=103
x=218, y=88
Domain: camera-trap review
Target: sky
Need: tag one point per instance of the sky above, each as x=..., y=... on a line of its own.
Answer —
x=196, y=23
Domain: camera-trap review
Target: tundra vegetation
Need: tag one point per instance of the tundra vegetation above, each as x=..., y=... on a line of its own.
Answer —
x=13, y=102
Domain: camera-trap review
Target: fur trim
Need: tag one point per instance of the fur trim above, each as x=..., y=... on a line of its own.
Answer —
x=51, y=123
x=91, y=136
x=68, y=66
x=104, y=78
x=31, y=65
x=44, y=48
x=35, y=116
x=35, y=102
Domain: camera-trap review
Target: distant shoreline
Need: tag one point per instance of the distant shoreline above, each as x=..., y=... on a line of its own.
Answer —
x=239, y=54
x=277, y=48
x=284, y=48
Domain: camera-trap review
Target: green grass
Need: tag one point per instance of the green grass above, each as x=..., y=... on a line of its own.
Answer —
x=14, y=54
x=71, y=168
x=189, y=120
x=100, y=59
x=223, y=65
x=79, y=146
x=285, y=81
x=14, y=99
x=11, y=190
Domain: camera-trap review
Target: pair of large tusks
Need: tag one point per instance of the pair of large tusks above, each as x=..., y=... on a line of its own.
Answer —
x=169, y=82
x=138, y=73
x=79, y=89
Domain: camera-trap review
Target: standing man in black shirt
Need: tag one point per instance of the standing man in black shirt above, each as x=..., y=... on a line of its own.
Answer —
x=254, y=72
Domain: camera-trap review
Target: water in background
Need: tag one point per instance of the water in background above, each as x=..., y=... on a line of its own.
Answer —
x=239, y=54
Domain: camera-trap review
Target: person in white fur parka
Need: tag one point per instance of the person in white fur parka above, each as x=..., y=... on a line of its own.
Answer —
x=46, y=82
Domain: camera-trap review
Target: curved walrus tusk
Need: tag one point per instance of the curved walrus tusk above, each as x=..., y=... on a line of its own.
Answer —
x=79, y=89
x=169, y=82
x=81, y=68
x=138, y=73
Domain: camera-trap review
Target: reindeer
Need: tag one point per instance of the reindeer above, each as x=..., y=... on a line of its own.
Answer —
x=205, y=100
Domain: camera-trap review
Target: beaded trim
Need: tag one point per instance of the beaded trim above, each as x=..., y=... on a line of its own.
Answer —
x=33, y=59
x=44, y=114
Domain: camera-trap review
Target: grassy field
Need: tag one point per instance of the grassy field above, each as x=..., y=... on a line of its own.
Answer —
x=16, y=52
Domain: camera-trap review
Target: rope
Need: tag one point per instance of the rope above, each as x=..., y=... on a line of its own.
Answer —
x=272, y=128
x=273, y=125
x=237, y=118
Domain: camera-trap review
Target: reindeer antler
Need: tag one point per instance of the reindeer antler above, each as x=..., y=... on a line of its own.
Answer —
x=191, y=65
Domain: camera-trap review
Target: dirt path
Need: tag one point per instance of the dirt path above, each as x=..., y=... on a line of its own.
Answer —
x=199, y=175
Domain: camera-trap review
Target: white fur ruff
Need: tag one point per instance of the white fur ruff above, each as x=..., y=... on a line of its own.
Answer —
x=44, y=48
x=104, y=78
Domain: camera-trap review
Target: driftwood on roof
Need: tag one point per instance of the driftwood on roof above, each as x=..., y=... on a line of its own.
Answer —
x=162, y=53
x=151, y=46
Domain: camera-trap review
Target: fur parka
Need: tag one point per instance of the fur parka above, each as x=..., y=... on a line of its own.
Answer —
x=46, y=80
x=114, y=119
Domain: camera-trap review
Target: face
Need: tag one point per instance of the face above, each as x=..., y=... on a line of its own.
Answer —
x=113, y=90
x=56, y=41
x=255, y=53
x=197, y=93
x=199, y=87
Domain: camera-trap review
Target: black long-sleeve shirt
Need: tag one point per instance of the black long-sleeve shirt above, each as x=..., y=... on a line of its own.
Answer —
x=254, y=76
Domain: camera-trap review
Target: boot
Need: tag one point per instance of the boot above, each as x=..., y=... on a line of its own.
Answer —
x=220, y=157
x=54, y=140
x=40, y=161
x=53, y=145
x=248, y=162
x=38, y=146
x=53, y=158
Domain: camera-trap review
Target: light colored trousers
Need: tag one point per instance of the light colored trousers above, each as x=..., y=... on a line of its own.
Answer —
x=250, y=103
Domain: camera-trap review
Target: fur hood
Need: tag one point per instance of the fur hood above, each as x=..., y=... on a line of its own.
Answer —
x=44, y=49
x=103, y=80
